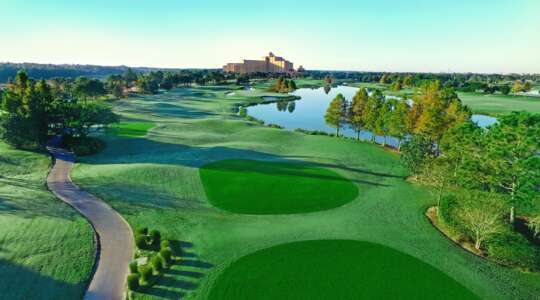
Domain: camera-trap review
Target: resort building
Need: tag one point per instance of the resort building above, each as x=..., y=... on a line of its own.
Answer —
x=270, y=64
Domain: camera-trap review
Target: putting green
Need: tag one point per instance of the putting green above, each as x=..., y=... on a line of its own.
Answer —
x=261, y=187
x=334, y=269
x=130, y=129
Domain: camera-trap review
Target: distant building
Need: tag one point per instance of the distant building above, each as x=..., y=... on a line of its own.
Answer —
x=270, y=64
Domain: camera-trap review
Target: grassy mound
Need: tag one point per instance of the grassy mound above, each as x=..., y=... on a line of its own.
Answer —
x=130, y=129
x=334, y=269
x=260, y=187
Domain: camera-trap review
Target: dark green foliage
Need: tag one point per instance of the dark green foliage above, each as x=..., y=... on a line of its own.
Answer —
x=133, y=282
x=157, y=263
x=83, y=146
x=166, y=254
x=133, y=267
x=415, y=152
x=142, y=231
x=512, y=249
x=141, y=241
x=155, y=237
x=164, y=244
x=146, y=273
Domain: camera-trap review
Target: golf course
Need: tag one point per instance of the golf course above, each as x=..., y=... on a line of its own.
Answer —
x=253, y=210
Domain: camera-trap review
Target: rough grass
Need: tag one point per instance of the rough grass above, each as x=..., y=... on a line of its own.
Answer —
x=154, y=182
x=46, y=249
x=259, y=187
x=345, y=269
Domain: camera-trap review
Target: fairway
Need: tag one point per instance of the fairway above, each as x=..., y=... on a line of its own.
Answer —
x=499, y=104
x=130, y=129
x=334, y=269
x=259, y=187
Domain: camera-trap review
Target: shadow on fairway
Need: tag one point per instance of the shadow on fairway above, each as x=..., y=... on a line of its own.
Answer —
x=18, y=282
x=140, y=150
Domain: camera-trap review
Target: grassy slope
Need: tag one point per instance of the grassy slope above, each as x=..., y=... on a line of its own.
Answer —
x=278, y=188
x=375, y=270
x=154, y=181
x=46, y=249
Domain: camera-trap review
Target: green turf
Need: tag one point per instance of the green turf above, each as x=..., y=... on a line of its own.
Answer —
x=130, y=129
x=154, y=181
x=259, y=187
x=334, y=269
x=46, y=249
x=499, y=104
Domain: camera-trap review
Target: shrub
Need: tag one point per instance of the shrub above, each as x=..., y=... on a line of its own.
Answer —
x=133, y=282
x=155, y=237
x=140, y=241
x=146, y=274
x=242, y=112
x=133, y=267
x=157, y=263
x=85, y=146
x=512, y=249
x=165, y=244
x=142, y=231
x=163, y=261
x=166, y=254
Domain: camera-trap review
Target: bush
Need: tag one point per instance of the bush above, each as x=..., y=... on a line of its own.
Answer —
x=155, y=237
x=242, y=112
x=512, y=249
x=165, y=244
x=133, y=282
x=133, y=267
x=166, y=254
x=157, y=263
x=163, y=261
x=142, y=231
x=146, y=273
x=140, y=241
x=84, y=146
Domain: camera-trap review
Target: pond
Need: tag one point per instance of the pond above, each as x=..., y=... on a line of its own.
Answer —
x=308, y=112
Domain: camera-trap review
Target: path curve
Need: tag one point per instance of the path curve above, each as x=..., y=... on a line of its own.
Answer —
x=114, y=236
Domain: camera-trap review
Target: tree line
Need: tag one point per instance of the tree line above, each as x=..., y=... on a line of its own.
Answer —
x=433, y=110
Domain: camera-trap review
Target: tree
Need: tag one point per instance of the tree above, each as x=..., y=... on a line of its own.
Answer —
x=504, y=89
x=397, y=123
x=88, y=88
x=385, y=79
x=381, y=124
x=147, y=85
x=526, y=86
x=415, y=153
x=356, y=116
x=407, y=81
x=336, y=113
x=374, y=104
x=397, y=85
x=481, y=214
x=517, y=87
x=512, y=155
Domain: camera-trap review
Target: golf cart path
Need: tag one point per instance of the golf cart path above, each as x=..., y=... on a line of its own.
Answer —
x=114, y=236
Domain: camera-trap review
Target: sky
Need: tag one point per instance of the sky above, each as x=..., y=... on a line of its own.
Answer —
x=485, y=36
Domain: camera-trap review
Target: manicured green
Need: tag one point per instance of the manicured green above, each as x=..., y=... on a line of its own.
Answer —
x=154, y=181
x=260, y=187
x=130, y=129
x=46, y=248
x=499, y=104
x=334, y=269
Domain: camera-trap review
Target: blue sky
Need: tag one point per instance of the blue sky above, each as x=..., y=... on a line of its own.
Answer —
x=384, y=35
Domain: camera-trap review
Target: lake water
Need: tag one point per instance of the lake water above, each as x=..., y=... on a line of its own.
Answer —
x=308, y=112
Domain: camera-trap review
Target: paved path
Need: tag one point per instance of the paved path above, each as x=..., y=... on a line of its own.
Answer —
x=115, y=239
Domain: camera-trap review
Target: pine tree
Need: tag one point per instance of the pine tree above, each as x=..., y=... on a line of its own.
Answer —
x=336, y=113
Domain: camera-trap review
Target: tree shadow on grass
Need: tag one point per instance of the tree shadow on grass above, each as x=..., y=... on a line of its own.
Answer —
x=19, y=282
x=137, y=150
